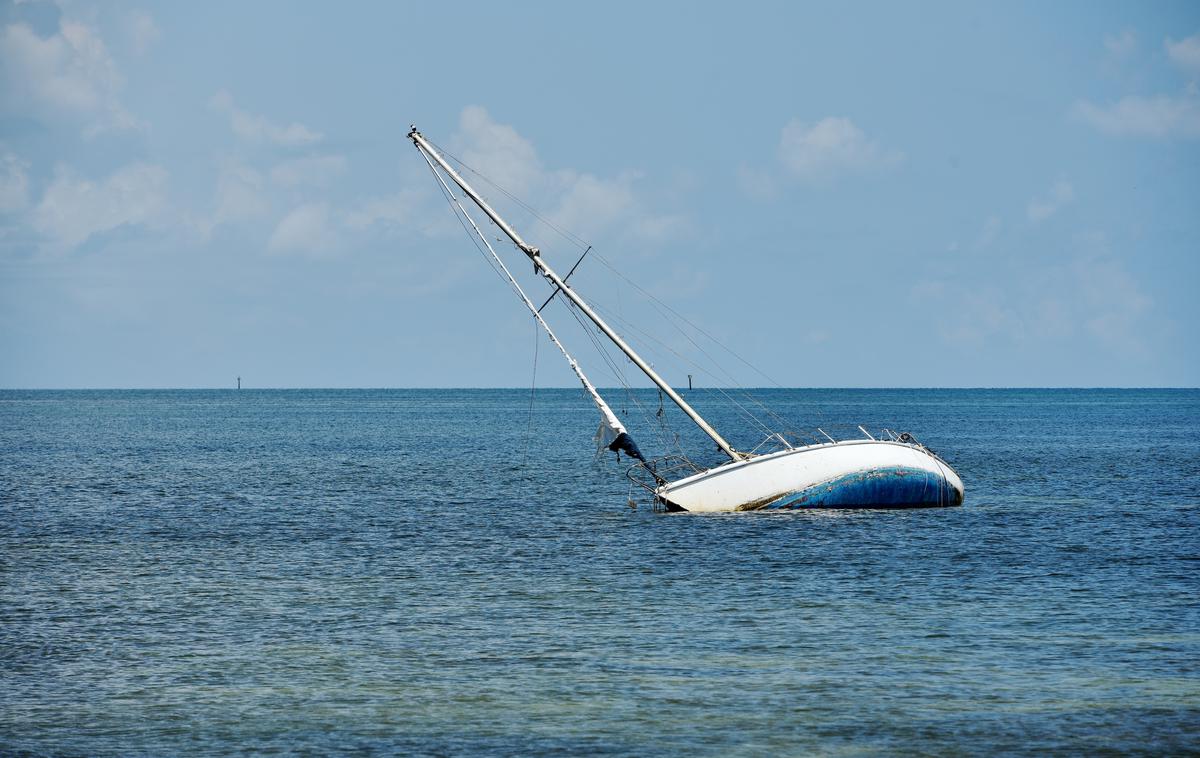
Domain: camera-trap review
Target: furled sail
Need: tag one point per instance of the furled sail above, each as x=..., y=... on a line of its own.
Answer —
x=612, y=434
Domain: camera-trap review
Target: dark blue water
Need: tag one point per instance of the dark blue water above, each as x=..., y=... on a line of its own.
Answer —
x=438, y=572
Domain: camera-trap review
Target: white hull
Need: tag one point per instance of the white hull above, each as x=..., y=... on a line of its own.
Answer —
x=850, y=474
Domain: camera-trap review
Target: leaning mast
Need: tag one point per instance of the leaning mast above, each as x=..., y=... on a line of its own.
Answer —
x=610, y=420
x=542, y=268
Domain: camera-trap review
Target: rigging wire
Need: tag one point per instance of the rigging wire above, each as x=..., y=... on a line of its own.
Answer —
x=458, y=214
x=517, y=288
x=532, y=392
x=612, y=364
x=631, y=327
x=668, y=313
x=566, y=235
x=616, y=372
x=576, y=240
x=498, y=267
x=672, y=316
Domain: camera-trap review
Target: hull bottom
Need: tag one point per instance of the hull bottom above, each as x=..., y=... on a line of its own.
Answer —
x=893, y=487
x=851, y=474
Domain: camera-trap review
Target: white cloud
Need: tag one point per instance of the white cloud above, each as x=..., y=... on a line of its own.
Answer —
x=990, y=232
x=830, y=146
x=658, y=229
x=239, y=193
x=143, y=32
x=245, y=192
x=14, y=183
x=815, y=336
x=68, y=73
x=497, y=151
x=756, y=183
x=73, y=209
x=1159, y=116
x=1112, y=303
x=305, y=229
x=1121, y=45
x=391, y=212
x=311, y=170
x=316, y=222
x=1185, y=53
x=588, y=204
x=1042, y=208
x=1156, y=116
x=255, y=128
x=581, y=203
x=1089, y=296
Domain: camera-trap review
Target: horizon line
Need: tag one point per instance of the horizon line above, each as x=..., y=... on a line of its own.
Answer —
x=569, y=387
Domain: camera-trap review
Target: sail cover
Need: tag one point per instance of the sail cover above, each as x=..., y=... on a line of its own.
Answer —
x=612, y=435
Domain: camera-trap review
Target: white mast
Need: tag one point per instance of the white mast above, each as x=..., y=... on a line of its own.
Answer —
x=535, y=255
x=610, y=426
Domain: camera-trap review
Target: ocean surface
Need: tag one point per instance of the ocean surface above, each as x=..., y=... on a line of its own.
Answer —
x=455, y=572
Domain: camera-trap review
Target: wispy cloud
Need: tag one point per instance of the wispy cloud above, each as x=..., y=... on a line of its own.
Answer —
x=255, y=128
x=498, y=151
x=580, y=202
x=389, y=213
x=239, y=194
x=1091, y=295
x=68, y=74
x=829, y=146
x=73, y=208
x=1112, y=303
x=1185, y=53
x=756, y=183
x=310, y=170
x=1121, y=45
x=14, y=183
x=1160, y=116
x=143, y=32
x=305, y=229
x=255, y=188
x=992, y=227
x=1043, y=207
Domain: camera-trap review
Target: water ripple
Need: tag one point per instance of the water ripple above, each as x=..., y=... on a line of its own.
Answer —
x=339, y=572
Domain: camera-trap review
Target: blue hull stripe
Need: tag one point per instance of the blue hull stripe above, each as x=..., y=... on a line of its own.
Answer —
x=893, y=487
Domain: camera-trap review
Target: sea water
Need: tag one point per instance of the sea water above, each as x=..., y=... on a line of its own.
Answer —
x=456, y=572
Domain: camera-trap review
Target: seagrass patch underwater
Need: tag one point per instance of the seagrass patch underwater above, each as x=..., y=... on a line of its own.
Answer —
x=436, y=572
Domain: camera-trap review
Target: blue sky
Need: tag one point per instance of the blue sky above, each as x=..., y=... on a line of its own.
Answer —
x=862, y=195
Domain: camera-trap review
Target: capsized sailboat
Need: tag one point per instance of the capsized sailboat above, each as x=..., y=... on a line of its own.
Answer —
x=898, y=472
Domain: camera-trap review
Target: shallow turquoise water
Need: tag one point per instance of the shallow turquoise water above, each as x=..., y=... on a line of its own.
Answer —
x=428, y=572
